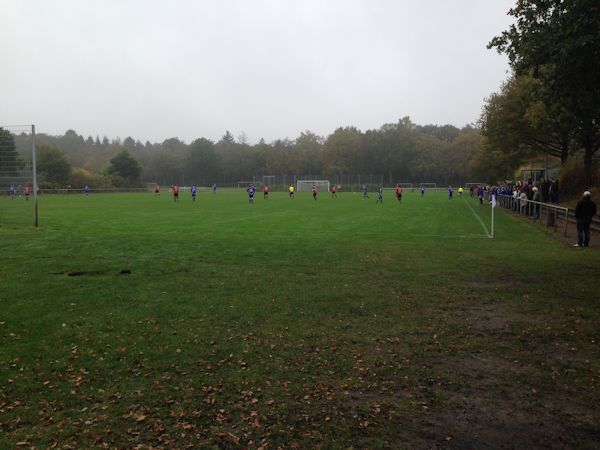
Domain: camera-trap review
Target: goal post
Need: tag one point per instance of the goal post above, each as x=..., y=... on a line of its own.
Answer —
x=18, y=174
x=306, y=185
x=269, y=180
x=428, y=185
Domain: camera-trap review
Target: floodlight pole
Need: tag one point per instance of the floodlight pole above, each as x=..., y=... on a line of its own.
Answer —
x=34, y=168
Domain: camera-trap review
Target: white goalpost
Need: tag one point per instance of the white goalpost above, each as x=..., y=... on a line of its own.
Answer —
x=306, y=185
x=428, y=185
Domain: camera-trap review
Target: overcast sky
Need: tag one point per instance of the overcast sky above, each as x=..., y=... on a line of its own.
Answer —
x=159, y=69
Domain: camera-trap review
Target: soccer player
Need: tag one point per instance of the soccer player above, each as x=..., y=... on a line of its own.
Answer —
x=291, y=191
x=399, y=192
x=380, y=196
x=193, y=192
x=157, y=190
x=314, y=192
x=365, y=192
x=422, y=191
x=450, y=192
x=27, y=192
x=480, y=195
x=86, y=190
x=334, y=191
x=175, y=190
x=251, y=190
x=214, y=188
x=11, y=191
x=266, y=192
x=460, y=191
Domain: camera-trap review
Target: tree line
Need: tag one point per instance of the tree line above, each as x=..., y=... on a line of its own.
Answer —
x=398, y=152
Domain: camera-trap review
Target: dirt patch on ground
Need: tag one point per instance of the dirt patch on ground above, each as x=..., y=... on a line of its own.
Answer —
x=490, y=398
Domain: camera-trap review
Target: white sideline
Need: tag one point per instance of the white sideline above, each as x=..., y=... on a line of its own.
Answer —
x=478, y=218
x=451, y=236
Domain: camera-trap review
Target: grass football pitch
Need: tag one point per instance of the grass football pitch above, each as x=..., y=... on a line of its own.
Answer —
x=129, y=320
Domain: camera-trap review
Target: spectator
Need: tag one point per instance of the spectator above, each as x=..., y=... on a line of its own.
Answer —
x=536, y=198
x=545, y=188
x=554, y=191
x=522, y=202
x=584, y=212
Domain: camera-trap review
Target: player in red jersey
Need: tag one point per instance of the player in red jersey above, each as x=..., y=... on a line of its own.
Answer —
x=314, y=191
x=334, y=191
x=175, y=190
x=266, y=192
x=27, y=192
x=157, y=190
x=398, y=192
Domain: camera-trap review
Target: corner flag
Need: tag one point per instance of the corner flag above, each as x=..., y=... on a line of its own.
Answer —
x=493, y=202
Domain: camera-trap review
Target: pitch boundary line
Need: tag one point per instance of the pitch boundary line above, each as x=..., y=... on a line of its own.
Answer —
x=450, y=236
x=478, y=218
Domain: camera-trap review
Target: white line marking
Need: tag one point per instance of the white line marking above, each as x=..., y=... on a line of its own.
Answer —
x=478, y=218
x=450, y=236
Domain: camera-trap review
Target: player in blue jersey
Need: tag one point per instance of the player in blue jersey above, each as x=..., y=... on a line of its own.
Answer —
x=251, y=190
x=214, y=188
x=365, y=192
x=422, y=191
x=379, y=196
x=11, y=191
x=86, y=190
x=450, y=192
x=194, y=190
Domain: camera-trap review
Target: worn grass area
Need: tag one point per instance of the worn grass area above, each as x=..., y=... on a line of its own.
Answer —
x=130, y=320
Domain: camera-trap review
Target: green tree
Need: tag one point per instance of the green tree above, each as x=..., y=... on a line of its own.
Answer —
x=10, y=162
x=228, y=138
x=489, y=164
x=52, y=164
x=203, y=164
x=126, y=167
x=340, y=150
x=307, y=153
x=558, y=43
x=516, y=118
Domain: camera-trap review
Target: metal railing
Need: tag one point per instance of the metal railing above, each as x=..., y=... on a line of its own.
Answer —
x=551, y=216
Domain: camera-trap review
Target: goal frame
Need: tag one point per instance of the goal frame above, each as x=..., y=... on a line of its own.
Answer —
x=428, y=185
x=309, y=184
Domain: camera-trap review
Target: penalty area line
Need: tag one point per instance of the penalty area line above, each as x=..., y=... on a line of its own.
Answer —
x=479, y=219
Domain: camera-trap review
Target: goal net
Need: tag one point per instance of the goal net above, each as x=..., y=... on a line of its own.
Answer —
x=17, y=166
x=428, y=185
x=306, y=185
